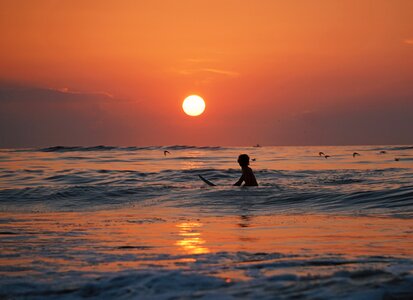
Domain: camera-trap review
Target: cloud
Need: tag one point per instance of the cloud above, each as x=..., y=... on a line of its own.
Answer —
x=387, y=123
x=68, y=91
x=38, y=116
x=202, y=66
x=221, y=72
x=208, y=71
x=14, y=92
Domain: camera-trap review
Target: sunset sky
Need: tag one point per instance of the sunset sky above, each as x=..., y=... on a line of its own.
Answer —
x=92, y=72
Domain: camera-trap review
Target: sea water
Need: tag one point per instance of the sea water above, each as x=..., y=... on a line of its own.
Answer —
x=138, y=223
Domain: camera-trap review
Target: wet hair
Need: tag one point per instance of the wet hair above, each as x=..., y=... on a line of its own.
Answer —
x=244, y=160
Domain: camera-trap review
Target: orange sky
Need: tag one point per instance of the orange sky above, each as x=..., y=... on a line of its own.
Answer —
x=271, y=72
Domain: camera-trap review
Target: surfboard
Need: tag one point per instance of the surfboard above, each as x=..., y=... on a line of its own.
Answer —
x=206, y=181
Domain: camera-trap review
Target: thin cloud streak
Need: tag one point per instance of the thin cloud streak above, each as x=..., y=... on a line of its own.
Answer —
x=209, y=70
x=66, y=90
x=222, y=72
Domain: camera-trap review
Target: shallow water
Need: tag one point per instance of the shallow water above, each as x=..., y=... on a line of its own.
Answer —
x=133, y=223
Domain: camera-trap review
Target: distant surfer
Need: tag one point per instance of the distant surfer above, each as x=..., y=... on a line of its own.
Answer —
x=356, y=154
x=247, y=175
x=166, y=152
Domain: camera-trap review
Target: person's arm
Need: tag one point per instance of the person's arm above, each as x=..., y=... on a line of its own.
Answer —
x=239, y=182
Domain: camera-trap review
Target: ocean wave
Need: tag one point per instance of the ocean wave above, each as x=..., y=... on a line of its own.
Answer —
x=265, y=199
x=92, y=180
x=81, y=197
x=403, y=148
x=392, y=148
x=203, y=277
x=77, y=194
x=133, y=148
x=77, y=148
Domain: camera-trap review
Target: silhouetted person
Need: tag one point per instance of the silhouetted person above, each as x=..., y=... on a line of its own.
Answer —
x=327, y=156
x=166, y=152
x=355, y=154
x=320, y=153
x=247, y=175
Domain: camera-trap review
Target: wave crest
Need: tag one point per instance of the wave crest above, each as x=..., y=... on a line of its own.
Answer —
x=132, y=148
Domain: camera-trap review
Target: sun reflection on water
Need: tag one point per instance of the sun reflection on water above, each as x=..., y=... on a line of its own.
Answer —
x=191, y=240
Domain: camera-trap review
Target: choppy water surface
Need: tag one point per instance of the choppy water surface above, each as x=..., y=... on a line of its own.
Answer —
x=137, y=223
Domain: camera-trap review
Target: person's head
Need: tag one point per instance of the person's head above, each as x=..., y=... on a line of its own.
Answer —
x=243, y=160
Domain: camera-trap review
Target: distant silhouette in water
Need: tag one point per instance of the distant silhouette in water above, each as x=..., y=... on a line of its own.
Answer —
x=383, y=152
x=247, y=175
x=257, y=145
x=166, y=152
x=326, y=156
x=396, y=159
x=355, y=154
x=320, y=153
x=253, y=159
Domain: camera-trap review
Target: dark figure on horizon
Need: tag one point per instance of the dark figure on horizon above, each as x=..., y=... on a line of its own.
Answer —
x=355, y=154
x=165, y=152
x=323, y=155
x=247, y=174
x=382, y=152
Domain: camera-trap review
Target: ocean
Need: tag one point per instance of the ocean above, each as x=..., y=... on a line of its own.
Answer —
x=109, y=222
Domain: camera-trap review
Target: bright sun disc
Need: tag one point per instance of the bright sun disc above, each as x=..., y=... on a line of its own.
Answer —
x=193, y=105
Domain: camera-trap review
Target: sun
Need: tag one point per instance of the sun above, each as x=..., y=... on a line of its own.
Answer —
x=193, y=105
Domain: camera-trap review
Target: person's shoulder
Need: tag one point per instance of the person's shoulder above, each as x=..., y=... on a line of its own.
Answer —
x=249, y=170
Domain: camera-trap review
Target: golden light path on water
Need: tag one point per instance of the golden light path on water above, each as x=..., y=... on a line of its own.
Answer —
x=180, y=232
